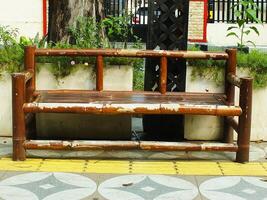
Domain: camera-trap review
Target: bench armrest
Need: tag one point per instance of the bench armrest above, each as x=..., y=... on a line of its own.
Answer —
x=19, y=85
x=27, y=74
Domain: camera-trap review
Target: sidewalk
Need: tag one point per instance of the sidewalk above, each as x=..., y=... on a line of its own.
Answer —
x=151, y=175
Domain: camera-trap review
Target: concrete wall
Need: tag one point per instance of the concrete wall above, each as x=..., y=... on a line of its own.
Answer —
x=216, y=35
x=26, y=15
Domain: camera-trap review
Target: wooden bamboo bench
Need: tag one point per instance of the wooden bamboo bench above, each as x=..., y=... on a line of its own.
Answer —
x=27, y=101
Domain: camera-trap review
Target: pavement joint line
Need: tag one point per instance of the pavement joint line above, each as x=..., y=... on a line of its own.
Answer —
x=220, y=167
x=85, y=167
x=175, y=167
x=265, y=168
x=40, y=165
x=130, y=167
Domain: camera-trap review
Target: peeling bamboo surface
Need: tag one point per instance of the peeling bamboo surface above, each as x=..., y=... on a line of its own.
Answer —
x=128, y=145
x=233, y=123
x=234, y=80
x=132, y=53
x=131, y=103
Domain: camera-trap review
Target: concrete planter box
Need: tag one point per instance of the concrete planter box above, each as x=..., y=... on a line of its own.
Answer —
x=210, y=127
x=68, y=126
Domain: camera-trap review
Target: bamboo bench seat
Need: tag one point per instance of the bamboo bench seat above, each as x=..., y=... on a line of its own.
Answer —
x=67, y=101
x=27, y=101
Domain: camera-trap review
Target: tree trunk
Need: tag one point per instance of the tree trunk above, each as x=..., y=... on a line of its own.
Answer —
x=64, y=13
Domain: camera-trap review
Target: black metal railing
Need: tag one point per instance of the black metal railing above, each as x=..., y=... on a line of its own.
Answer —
x=223, y=11
x=138, y=9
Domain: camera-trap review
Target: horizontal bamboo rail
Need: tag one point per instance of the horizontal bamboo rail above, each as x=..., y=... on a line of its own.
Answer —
x=132, y=53
x=128, y=145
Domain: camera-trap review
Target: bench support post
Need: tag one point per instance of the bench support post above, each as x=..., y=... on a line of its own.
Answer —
x=99, y=73
x=19, y=132
x=230, y=93
x=244, y=122
x=163, y=75
x=29, y=64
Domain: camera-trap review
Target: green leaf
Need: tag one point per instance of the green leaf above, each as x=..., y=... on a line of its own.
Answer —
x=232, y=34
x=255, y=29
x=251, y=13
x=237, y=13
x=241, y=22
x=249, y=41
x=231, y=27
x=247, y=32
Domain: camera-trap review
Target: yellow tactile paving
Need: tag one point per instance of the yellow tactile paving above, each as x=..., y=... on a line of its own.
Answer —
x=198, y=168
x=107, y=166
x=30, y=165
x=153, y=167
x=136, y=167
x=264, y=164
x=252, y=168
x=63, y=165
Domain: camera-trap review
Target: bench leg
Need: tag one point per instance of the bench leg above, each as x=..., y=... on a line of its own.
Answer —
x=227, y=132
x=18, y=99
x=244, y=122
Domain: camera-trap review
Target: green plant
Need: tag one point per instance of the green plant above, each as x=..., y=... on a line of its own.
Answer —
x=85, y=33
x=242, y=29
x=11, y=54
x=255, y=63
x=118, y=28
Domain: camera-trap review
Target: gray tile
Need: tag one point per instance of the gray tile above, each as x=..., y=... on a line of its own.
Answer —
x=146, y=186
x=232, y=187
x=42, y=184
x=5, y=146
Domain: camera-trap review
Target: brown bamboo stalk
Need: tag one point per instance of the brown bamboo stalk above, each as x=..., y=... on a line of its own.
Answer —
x=233, y=123
x=18, y=99
x=229, y=91
x=29, y=65
x=244, y=122
x=132, y=53
x=128, y=145
x=234, y=80
x=99, y=73
x=163, y=75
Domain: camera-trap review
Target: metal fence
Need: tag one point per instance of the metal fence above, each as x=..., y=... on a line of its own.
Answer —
x=138, y=9
x=223, y=10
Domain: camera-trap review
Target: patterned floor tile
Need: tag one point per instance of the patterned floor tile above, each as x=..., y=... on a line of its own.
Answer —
x=232, y=187
x=5, y=146
x=148, y=187
x=46, y=185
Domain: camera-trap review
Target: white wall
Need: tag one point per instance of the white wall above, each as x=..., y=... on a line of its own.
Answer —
x=26, y=15
x=216, y=35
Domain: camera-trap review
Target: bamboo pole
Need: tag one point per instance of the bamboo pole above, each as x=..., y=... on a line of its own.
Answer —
x=244, y=122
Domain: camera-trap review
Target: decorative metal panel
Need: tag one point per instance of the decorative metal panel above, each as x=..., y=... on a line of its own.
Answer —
x=167, y=30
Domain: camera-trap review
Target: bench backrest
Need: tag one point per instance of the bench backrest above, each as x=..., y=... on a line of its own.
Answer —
x=229, y=55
